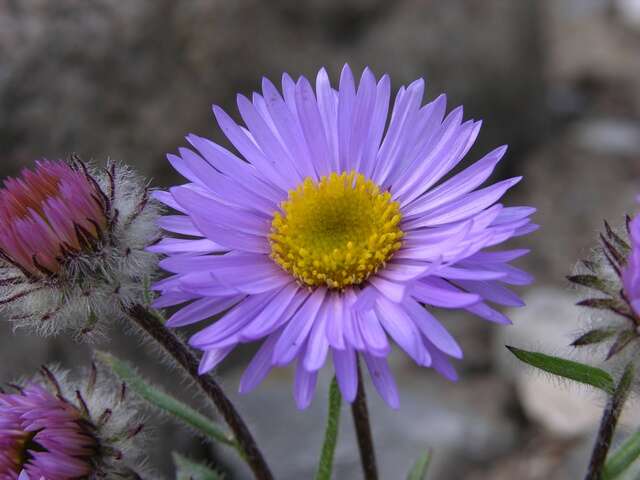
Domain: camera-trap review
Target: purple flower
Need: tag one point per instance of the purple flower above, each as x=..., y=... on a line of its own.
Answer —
x=631, y=271
x=43, y=435
x=332, y=228
x=57, y=430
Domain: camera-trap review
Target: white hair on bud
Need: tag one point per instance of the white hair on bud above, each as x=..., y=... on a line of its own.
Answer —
x=113, y=413
x=92, y=286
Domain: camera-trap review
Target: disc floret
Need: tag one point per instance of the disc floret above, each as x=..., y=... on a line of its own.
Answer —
x=336, y=232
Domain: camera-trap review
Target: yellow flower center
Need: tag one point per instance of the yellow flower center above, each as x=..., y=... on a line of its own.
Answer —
x=337, y=232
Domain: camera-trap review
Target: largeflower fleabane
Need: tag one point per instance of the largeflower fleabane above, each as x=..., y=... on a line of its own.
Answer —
x=335, y=226
x=336, y=232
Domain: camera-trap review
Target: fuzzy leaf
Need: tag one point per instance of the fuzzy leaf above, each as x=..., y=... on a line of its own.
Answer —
x=617, y=257
x=599, y=303
x=569, y=369
x=187, y=469
x=622, y=340
x=589, y=281
x=164, y=402
x=325, y=466
x=419, y=469
x=596, y=335
x=622, y=244
x=622, y=458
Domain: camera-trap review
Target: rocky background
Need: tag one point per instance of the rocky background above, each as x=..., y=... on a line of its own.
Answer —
x=559, y=81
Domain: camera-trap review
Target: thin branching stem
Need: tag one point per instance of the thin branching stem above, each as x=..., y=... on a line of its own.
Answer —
x=186, y=359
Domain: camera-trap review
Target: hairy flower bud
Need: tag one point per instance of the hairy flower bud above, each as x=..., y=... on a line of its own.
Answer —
x=613, y=273
x=55, y=429
x=72, y=244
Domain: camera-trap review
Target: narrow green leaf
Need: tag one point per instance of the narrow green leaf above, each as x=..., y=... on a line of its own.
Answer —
x=622, y=244
x=596, y=335
x=622, y=458
x=575, y=371
x=419, y=469
x=187, y=469
x=599, y=303
x=325, y=466
x=163, y=401
x=590, y=281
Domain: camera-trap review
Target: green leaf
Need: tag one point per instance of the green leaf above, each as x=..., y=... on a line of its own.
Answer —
x=596, y=335
x=419, y=469
x=575, y=371
x=325, y=466
x=600, y=303
x=622, y=458
x=187, y=469
x=590, y=281
x=163, y=401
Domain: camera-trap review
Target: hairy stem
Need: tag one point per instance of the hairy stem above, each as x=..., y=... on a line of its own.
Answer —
x=186, y=359
x=325, y=466
x=608, y=425
x=360, y=414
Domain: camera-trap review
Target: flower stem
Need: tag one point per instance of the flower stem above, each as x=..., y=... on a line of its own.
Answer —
x=325, y=466
x=363, y=431
x=608, y=425
x=185, y=357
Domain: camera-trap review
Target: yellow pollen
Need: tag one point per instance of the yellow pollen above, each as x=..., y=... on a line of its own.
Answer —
x=337, y=232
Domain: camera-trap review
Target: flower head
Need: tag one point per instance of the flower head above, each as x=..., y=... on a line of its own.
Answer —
x=614, y=273
x=55, y=430
x=631, y=268
x=331, y=232
x=72, y=244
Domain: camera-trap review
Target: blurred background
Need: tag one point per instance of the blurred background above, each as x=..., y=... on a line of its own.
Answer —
x=557, y=80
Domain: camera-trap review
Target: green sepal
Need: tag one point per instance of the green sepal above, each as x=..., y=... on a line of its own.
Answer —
x=623, y=339
x=594, y=336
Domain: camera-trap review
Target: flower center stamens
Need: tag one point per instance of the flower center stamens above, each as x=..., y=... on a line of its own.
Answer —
x=337, y=232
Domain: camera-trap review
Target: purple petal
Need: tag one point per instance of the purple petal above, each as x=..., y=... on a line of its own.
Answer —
x=493, y=292
x=317, y=343
x=439, y=294
x=260, y=365
x=383, y=380
x=402, y=329
x=344, y=362
x=457, y=186
x=201, y=309
x=304, y=386
x=276, y=313
x=298, y=328
x=312, y=126
x=433, y=329
x=212, y=358
x=372, y=333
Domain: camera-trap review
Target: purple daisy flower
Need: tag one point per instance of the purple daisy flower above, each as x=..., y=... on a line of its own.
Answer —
x=631, y=271
x=336, y=228
x=42, y=434
x=58, y=430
